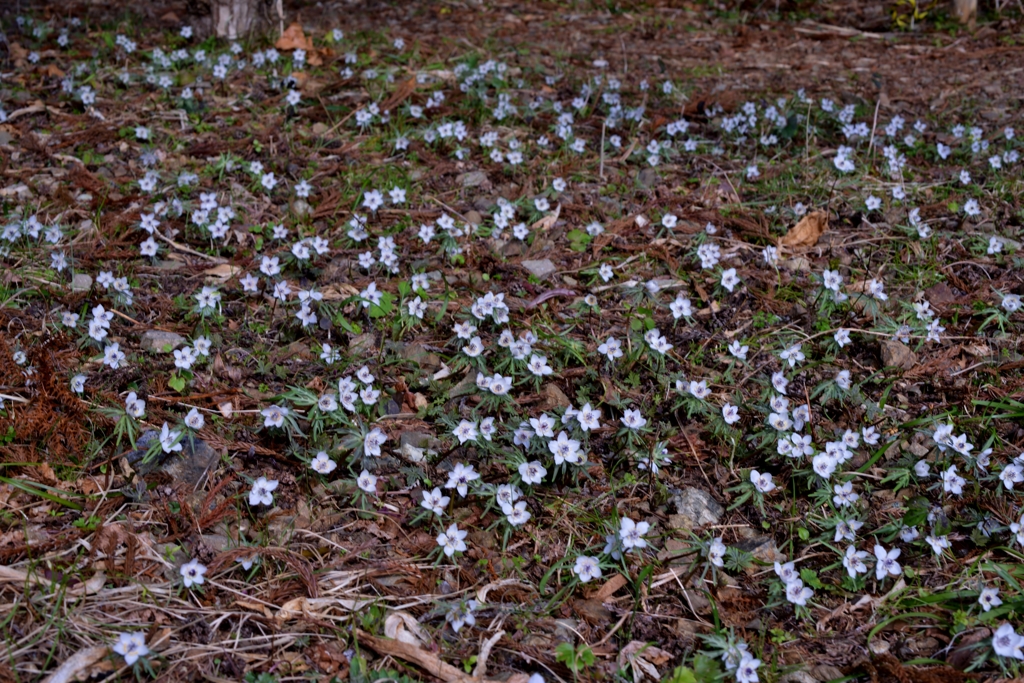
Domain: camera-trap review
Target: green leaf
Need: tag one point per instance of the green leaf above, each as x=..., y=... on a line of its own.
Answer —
x=177, y=382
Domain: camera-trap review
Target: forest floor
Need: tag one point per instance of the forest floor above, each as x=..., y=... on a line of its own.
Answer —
x=480, y=341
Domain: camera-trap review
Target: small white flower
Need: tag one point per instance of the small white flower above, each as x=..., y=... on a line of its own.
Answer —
x=322, y=463
x=587, y=568
x=452, y=540
x=192, y=573
x=131, y=646
x=367, y=482
x=989, y=598
x=262, y=492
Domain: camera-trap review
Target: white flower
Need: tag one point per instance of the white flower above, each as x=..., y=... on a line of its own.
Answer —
x=262, y=492
x=746, y=670
x=885, y=562
x=716, y=552
x=452, y=540
x=516, y=514
x=797, y=593
x=731, y=414
x=632, y=419
x=989, y=598
x=273, y=416
x=367, y=482
x=564, y=449
x=589, y=417
x=730, y=279
x=131, y=646
x=762, y=481
x=194, y=420
x=373, y=440
x=459, y=478
x=587, y=568
x=322, y=463
x=168, y=439
x=466, y=431
x=532, y=472
x=192, y=573
x=435, y=501
x=853, y=560
x=738, y=350
x=845, y=496
x=938, y=543
x=612, y=348
x=1007, y=643
x=538, y=365
x=632, y=533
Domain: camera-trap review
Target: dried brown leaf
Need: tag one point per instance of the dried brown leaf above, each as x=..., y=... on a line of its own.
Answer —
x=807, y=231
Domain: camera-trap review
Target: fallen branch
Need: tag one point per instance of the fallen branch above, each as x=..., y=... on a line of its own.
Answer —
x=428, y=661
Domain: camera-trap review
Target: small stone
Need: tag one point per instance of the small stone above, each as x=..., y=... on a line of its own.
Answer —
x=762, y=548
x=301, y=207
x=553, y=397
x=186, y=467
x=798, y=677
x=81, y=282
x=540, y=268
x=647, y=178
x=464, y=387
x=696, y=508
x=363, y=346
x=472, y=179
x=159, y=341
x=897, y=354
x=826, y=673
x=473, y=217
x=592, y=611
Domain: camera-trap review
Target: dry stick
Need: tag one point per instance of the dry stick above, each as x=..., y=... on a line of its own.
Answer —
x=189, y=250
x=874, y=124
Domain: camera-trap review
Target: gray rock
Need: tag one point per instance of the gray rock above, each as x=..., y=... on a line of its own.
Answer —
x=762, y=548
x=473, y=179
x=647, y=178
x=540, y=268
x=81, y=282
x=798, y=677
x=186, y=467
x=465, y=387
x=417, y=440
x=415, y=353
x=826, y=673
x=697, y=508
x=897, y=354
x=301, y=207
x=159, y=341
x=363, y=346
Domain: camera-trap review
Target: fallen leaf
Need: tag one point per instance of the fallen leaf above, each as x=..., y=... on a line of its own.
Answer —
x=222, y=272
x=422, y=658
x=53, y=71
x=401, y=93
x=609, y=588
x=807, y=231
x=547, y=222
x=643, y=657
x=293, y=38
x=403, y=627
x=226, y=409
x=82, y=665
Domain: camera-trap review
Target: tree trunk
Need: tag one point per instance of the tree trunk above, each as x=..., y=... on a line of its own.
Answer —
x=233, y=19
x=966, y=10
